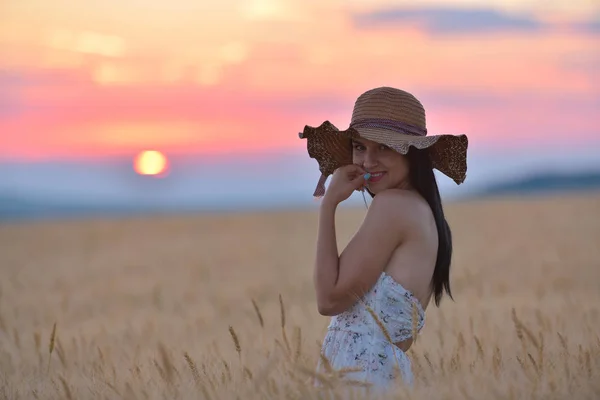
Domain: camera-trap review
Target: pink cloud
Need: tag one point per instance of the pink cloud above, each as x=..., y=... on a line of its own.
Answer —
x=491, y=89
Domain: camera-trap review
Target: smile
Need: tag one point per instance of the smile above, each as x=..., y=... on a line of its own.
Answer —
x=375, y=177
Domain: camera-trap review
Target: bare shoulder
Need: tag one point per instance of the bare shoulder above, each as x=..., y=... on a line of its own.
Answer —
x=402, y=205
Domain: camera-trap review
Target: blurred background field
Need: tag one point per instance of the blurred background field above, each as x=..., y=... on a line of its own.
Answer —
x=152, y=186
x=121, y=290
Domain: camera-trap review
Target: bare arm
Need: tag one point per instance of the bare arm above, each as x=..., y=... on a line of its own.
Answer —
x=327, y=259
x=339, y=281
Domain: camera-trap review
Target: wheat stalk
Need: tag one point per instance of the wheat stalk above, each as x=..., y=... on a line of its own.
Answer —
x=298, y=341
x=66, y=388
x=261, y=321
x=51, y=345
x=193, y=368
x=227, y=370
x=415, y=322
x=383, y=329
x=236, y=341
x=480, y=352
x=283, y=334
x=167, y=365
x=282, y=309
x=325, y=362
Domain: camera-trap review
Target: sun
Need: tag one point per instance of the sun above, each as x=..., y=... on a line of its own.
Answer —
x=151, y=162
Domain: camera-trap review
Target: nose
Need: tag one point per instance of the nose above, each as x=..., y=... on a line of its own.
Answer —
x=370, y=160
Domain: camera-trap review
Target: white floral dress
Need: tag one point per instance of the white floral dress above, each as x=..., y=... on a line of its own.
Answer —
x=354, y=339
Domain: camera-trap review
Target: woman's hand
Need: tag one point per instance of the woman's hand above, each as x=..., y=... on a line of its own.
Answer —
x=344, y=181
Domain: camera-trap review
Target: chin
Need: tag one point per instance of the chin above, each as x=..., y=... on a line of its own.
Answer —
x=376, y=189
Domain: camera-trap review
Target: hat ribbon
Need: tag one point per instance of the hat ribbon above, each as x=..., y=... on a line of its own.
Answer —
x=389, y=124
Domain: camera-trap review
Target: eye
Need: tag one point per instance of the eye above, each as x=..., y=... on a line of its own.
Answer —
x=383, y=147
x=358, y=146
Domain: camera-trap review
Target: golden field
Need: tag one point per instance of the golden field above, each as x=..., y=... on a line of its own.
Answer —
x=146, y=308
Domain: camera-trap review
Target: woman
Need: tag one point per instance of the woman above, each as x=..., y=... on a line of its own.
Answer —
x=378, y=289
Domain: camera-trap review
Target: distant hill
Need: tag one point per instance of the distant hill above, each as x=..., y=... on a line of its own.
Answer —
x=14, y=207
x=541, y=184
x=21, y=207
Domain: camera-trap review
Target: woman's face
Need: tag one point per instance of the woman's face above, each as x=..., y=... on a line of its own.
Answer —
x=388, y=168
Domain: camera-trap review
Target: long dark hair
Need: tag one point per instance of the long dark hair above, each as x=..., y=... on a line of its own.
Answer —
x=423, y=180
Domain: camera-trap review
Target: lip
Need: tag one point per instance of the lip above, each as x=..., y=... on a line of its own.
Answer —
x=374, y=179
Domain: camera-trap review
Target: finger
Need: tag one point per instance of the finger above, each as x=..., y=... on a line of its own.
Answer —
x=359, y=181
x=352, y=168
x=355, y=171
x=357, y=168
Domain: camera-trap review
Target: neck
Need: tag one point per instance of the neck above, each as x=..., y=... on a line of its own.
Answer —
x=405, y=185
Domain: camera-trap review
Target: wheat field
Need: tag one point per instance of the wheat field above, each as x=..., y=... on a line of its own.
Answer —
x=222, y=306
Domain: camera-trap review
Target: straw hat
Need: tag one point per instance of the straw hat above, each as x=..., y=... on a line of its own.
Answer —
x=391, y=117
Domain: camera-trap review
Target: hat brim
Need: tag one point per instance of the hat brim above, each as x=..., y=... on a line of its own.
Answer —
x=332, y=148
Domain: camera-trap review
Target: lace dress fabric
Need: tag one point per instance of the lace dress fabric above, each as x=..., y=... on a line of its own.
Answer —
x=354, y=339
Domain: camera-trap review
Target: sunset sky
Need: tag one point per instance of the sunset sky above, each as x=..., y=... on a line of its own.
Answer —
x=98, y=78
